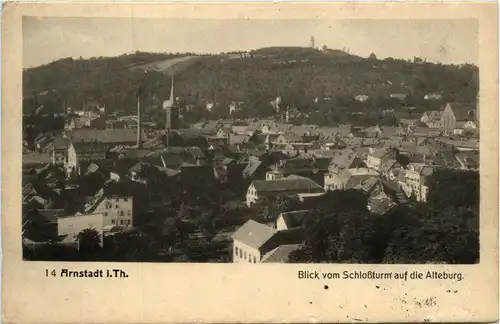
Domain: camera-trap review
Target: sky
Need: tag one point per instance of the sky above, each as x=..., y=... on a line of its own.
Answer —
x=50, y=38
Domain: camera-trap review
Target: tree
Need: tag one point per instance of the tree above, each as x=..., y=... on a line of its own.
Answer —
x=436, y=236
x=270, y=207
x=461, y=187
x=372, y=56
x=402, y=159
x=89, y=240
x=338, y=229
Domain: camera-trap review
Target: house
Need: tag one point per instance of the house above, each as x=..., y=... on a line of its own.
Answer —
x=108, y=137
x=79, y=122
x=251, y=241
x=399, y=96
x=70, y=226
x=289, y=185
x=84, y=152
x=117, y=210
x=361, y=98
x=468, y=160
x=215, y=142
x=433, y=96
x=288, y=138
x=341, y=160
x=43, y=143
x=389, y=169
x=60, y=151
x=375, y=158
x=312, y=168
x=432, y=118
x=280, y=254
x=259, y=243
x=415, y=181
x=255, y=169
x=290, y=220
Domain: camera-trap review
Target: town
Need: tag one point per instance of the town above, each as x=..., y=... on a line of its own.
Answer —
x=102, y=184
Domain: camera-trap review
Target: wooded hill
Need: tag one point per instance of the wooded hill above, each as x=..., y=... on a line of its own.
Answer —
x=297, y=74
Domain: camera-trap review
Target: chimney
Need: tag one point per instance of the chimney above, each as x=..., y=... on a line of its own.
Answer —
x=139, y=119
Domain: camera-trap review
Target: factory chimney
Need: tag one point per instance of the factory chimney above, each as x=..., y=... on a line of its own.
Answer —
x=139, y=119
x=168, y=105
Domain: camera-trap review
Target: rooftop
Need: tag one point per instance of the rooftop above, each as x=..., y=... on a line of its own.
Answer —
x=254, y=234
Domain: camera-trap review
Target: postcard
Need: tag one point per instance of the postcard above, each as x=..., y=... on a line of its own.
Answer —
x=239, y=162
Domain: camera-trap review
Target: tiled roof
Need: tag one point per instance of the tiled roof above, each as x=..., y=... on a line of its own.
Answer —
x=237, y=139
x=294, y=218
x=380, y=153
x=89, y=147
x=342, y=160
x=108, y=136
x=254, y=234
x=355, y=180
x=280, y=254
x=292, y=184
x=251, y=167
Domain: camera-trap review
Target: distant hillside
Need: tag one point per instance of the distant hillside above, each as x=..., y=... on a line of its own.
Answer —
x=296, y=74
x=169, y=66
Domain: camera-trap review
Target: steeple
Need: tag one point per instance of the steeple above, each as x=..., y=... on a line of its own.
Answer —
x=172, y=98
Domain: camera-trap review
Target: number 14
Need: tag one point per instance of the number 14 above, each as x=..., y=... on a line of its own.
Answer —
x=52, y=273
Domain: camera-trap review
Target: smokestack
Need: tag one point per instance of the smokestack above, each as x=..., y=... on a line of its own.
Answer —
x=168, y=113
x=139, y=119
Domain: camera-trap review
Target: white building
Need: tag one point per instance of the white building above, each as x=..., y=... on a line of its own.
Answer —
x=73, y=225
x=415, y=182
x=116, y=210
x=252, y=241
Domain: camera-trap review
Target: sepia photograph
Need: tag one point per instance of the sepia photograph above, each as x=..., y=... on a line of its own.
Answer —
x=155, y=153
x=250, y=141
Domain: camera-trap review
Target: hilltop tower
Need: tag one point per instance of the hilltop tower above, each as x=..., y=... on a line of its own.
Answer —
x=312, y=42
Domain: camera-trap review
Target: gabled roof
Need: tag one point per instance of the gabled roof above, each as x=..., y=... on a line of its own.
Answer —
x=386, y=165
x=292, y=137
x=280, y=254
x=295, y=184
x=294, y=218
x=89, y=147
x=355, y=180
x=107, y=136
x=342, y=160
x=237, y=139
x=380, y=153
x=254, y=234
x=251, y=167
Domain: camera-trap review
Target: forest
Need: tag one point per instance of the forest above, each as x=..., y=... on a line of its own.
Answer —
x=298, y=75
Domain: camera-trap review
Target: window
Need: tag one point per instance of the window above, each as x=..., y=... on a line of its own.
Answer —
x=116, y=206
x=121, y=222
x=113, y=221
x=125, y=199
x=236, y=250
x=105, y=213
x=121, y=212
x=117, y=200
x=245, y=255
x=254, y=260
x=129, y=213
x=128, y=222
